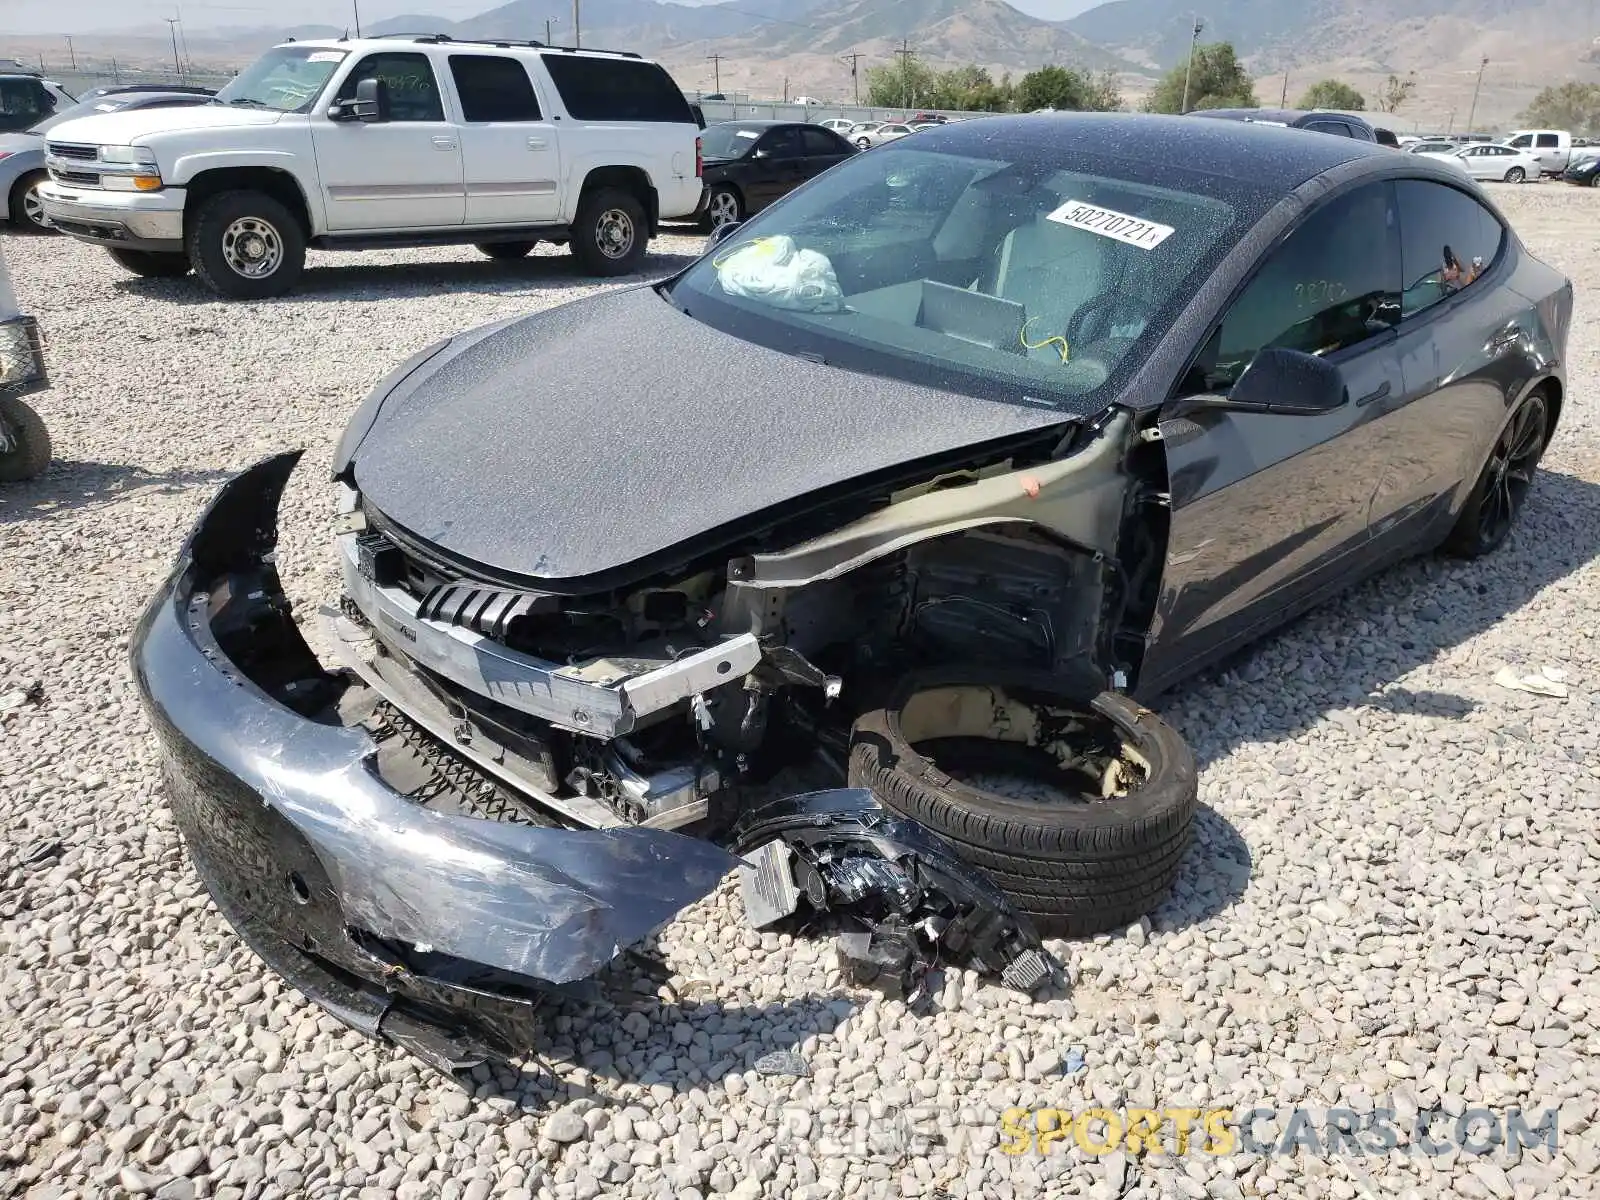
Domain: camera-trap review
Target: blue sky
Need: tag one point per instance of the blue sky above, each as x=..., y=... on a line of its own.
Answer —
x=85, y=16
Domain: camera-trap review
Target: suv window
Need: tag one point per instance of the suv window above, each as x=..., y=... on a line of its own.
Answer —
x=1447, y=239
x=617, y=89
x=493, y=88
x=413, y=90
x=1548, y=141
x=1333, y=284
x=781, y=143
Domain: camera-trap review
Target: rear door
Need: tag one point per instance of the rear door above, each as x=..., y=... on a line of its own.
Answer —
x=509, y=151
x=400, y=173
x=776, y=165
x=1267, y=509
x=823, y=150
x=1549, y=150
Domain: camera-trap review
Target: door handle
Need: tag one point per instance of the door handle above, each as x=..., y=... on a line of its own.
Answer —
x=1378, y=393
x=444, y=143
x=537, y=143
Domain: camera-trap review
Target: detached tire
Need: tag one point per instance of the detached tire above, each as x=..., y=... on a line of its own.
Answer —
x=507, y=251
x=609, y=237
x=151, y=264
x=246, y=246
x=29, y=440
x=1074, y=866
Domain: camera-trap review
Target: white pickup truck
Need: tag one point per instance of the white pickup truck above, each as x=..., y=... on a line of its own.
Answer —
x=383, y=142
x=1552, y=147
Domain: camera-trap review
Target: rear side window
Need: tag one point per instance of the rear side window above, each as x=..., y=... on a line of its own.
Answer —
x=493, y=88
x=1548, y=141
x=413, y=90
x=25, y=98
x=819, y=142
x=617, y=89
x=1447, y=240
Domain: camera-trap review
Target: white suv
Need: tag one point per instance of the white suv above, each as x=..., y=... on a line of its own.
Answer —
x=384, y=142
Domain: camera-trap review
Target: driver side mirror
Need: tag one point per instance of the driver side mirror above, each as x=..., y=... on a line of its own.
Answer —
x=1282, y=382
x=370, y=105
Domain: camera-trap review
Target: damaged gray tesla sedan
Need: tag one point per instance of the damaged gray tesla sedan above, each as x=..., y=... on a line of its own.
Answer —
x=797, y=562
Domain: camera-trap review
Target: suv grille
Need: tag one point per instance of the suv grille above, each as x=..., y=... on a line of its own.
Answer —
x=70, y=150
x=83, y=178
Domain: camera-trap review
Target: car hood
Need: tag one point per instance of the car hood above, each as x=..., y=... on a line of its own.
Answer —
x=125, y=128
x=612, y=430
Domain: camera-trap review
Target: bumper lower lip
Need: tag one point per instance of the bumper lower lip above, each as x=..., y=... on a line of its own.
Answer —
x=133, y=221
x=435, y=931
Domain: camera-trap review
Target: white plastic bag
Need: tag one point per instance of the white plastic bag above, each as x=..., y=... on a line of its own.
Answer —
x=775, y=271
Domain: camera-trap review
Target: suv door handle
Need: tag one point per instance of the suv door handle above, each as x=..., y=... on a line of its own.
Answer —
x=537, y=143
x=1377, y=393
x=444, y=143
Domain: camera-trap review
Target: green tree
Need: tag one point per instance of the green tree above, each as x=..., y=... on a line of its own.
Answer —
x=1218, y=80
x=1333, y=93
x=1063, y=88
x=902, y=84
x=1573, y=106
x=1396, y=91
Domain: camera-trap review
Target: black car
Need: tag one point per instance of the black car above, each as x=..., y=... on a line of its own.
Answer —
x=749, y=164
x=1584, y=173
x=1339, y=124
x=922, y=474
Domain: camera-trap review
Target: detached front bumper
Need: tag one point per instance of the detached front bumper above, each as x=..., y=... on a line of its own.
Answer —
x=150, y=221
x=436, y=932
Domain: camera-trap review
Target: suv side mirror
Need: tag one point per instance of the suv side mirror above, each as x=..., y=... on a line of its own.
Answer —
x=1282, y=382
x=371, y=103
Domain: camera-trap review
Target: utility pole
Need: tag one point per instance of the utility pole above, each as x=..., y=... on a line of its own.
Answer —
x=71, y=54
x=786, y=89
x=355, y=7
x=577, y=36
x=116, y=75
x=1283, y=102
x=183, y=39
x=172, y=28
x=1188, y=74
x=855, y=73
x=1473, y=111
x=716, y=72
x=548, y=22
x=905, y=54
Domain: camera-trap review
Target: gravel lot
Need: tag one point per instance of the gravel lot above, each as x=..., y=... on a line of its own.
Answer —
x=1392, y=899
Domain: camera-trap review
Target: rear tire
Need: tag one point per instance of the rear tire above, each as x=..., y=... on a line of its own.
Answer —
x=30, y=441
x=1073, y=867
x=1502, y=489
x=1516, y=175
x=507, y=251
x=723, y=207
x=151, y=264
x=246, y=246
x=26, y=207
x=609, y=237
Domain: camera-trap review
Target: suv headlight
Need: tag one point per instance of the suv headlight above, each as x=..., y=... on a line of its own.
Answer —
x=135, y=155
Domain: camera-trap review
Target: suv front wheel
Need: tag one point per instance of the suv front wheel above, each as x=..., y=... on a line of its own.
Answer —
x=246, y=246
x=610, y=235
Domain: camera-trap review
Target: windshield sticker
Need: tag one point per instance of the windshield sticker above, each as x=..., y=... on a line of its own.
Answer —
x=325, y=56
x=747, y=133
x=107, y=107
x=1108, y=223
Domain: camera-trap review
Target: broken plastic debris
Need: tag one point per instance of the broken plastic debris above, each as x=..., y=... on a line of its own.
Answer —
x=782, y=1062
x=1540, y=683
x=1073, y=1061
x=1028, y=972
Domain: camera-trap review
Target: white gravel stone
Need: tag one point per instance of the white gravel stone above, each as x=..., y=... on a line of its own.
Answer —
x=1390, y=900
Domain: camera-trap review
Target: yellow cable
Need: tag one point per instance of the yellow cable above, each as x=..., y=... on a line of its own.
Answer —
x=1059, y=342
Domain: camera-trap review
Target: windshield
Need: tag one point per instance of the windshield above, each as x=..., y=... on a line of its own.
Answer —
x=285, y=78
x=1041, y=274
x=728, y=140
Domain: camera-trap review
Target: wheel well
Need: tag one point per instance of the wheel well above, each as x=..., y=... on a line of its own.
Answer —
x=280, y=185
x=1553, y=393
x=16, y=187
x=632, y=180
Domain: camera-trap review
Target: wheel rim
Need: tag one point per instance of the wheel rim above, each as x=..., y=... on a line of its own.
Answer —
x=863, y=143
x=33, y=208
x=252, y=247
x=614, y=233
x=1509, y=473
x=724, y=209
x=1516, y=175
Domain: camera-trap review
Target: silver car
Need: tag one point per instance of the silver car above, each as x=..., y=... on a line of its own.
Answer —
x=22, y=154
x=867, y=139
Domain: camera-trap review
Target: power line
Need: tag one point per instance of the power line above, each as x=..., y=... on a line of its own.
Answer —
x=855, y=72
x=716, y=67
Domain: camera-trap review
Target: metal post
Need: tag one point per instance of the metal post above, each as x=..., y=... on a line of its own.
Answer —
x=1473, y=111
x=577, y=37
x=355, y=7
x=1194, y=42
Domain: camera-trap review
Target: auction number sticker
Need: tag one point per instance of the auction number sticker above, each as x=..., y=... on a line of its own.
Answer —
x=1112, y=224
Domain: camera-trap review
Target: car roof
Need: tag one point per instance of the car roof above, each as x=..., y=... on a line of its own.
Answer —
x=1288, y=116
x=1262, y=155
x=758, y=123
x=390, y=41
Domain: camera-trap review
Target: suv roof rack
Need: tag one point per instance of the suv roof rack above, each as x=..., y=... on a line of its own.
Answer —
x=444, y=39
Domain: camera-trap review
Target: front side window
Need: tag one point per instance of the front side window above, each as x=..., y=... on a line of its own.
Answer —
x=1523, y=142
x=285, y=79
x=780, y=143
x=1018, y=271
x=1447, y=240
x=493, y=88
x=24, y=98
x=617, y=89
x=1331, y=285
x=413, y=90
